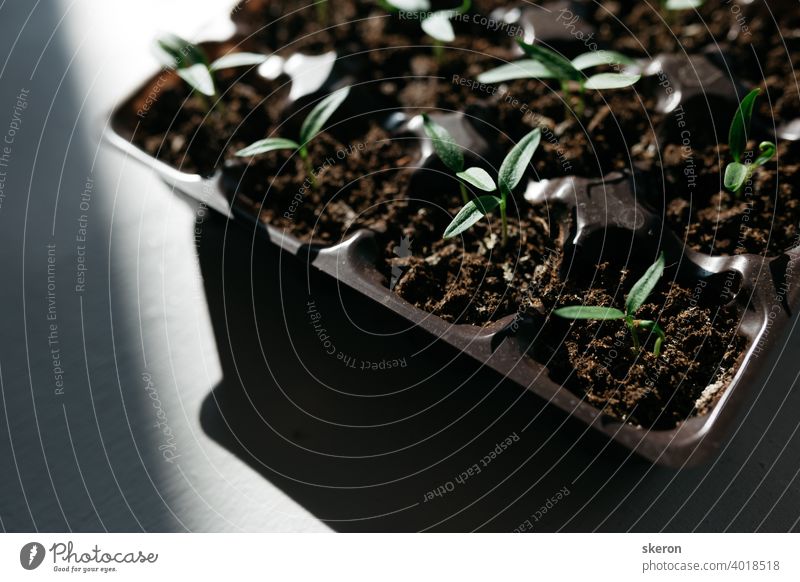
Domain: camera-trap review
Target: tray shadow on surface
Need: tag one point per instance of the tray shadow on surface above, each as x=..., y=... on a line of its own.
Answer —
x=364, y=450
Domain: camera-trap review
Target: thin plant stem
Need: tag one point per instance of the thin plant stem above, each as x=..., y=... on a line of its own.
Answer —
x=464, y=195
x=581, y=96
x=207, y=101
x=217, y=104
x=213, y=102
x=322, y=12
x=309, y=167
x=634, y=332
x=504, y=220
x=566, y=93
x=438, y=51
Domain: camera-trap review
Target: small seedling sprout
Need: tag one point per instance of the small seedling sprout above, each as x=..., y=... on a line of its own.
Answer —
x=435, y=24
x=191, y=64
x=636, y=298
x=312, y=125
x=511, y=172
x=738, y=173
x=543, y=63
x=446, y=148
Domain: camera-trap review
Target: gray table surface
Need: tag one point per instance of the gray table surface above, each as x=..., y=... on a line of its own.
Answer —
x=196, y=395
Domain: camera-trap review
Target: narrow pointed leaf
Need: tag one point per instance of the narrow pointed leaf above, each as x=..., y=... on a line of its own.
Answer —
x=321, y=114
x=561, y=67
x=735, y=176
x=524, y=69
x=439, y=27
x=443, y=144
x=644, y=286
x=657, y=347
x=199, y=78
x=611, y=81
x=189, y=62
x=177, y=53
x=737, y=136
x=267, y=145
x=516, y=162
x=597, y=58
x=768, y=150
x=232, y=60
x=479, y=178
x=472, y=212
x=588, y=312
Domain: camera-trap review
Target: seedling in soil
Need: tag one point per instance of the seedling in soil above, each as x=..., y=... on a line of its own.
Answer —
x=191, y=64
x=738, y=173
x=435, y=24
x=636, y=298
x=446, y=148
x=543, y=63
x=511, y=172
x=312, y=125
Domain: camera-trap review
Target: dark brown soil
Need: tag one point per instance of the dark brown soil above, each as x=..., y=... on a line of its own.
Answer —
x=615, y=128
x=618, y=130
x=746, y=32
x=294, y=26
x=763, y=217
x=386, y=186
x=595, y=359
x=355, y=188
x=475, y=280
x=182, y=131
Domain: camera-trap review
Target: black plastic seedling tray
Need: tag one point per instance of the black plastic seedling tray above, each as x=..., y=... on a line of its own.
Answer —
x=606, y=214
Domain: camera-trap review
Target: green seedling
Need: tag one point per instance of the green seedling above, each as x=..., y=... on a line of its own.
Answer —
x=191, y=64
x=543, y=63
x=446, y=148
x=437, y=24
x=636, y=298
x=511, y=172
x=738, y=173
x=312, y=126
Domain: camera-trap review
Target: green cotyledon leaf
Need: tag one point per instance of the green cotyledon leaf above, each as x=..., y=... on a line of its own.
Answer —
x=737, y=135
x=471, y=213
x=443, y=144
x=644, y=286
x=321, y=114
x=588, y=312
x=516, y=162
